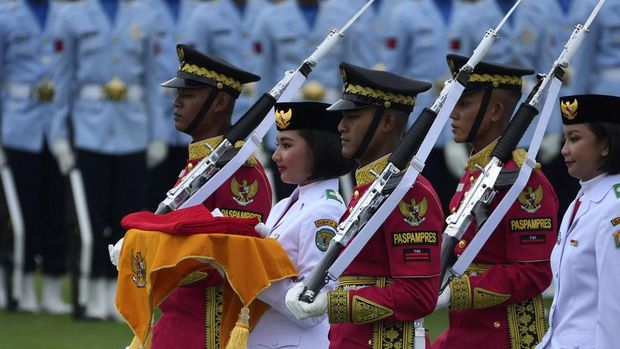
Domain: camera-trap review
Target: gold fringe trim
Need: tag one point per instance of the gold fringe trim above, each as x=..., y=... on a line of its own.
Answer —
x=210, y=74
x=378, y=94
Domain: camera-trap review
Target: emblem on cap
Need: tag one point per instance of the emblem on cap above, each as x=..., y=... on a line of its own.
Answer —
x=181, y=55
x=283, y=118
x=569, y=110
x=413, y=212
x=138, y=267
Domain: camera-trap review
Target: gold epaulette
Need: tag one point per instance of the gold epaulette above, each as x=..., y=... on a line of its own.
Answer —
x=519, y=156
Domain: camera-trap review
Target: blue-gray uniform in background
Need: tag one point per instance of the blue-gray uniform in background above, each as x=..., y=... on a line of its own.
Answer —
x=606, y=67
x=171, y=20
x=367, y=39
x=419, y=34
x=26, y=91
x=223, y=28
x=108, y=91
x=288, y=32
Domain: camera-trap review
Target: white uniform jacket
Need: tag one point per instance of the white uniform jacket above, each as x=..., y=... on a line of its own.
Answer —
x=586, y=271
x=303, y=223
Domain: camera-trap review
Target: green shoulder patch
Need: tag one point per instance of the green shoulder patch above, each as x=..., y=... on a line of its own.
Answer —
x=617, y=190
x=323, y=237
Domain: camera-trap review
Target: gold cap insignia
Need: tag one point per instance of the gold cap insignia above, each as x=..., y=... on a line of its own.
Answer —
x=569, y=110
x=138, y=267
x=283, y=119
x=530, y=200
x=243, y=192
x=413, y=212
x=181, y=55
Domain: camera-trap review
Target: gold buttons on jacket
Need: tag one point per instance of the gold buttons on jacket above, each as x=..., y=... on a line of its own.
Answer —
x=471, y=179
x=497, y=324
x=350, y=209
x=462, y=244
x=190, y=166
x=453, y=209
x=356, y=194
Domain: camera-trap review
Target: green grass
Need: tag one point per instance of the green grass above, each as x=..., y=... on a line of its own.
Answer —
x=43, y=331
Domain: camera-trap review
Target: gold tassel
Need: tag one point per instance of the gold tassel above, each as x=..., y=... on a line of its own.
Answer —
x=239, y=334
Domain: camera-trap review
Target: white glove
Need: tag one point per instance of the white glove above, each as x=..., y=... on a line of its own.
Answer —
x=217, y=213
x=64, y=155
x=156, y=153
x=115, y=251
x=262, y=229
x=456, y=158
x=302, y=310
x=549, y=148
x=444, y=298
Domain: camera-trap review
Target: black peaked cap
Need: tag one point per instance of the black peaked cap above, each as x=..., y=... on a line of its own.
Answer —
x=198, y=70
x=367, y=87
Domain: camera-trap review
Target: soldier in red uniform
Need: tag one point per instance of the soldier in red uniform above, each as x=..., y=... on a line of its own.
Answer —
x=395, y=278
x=207, y=89
x=497, y=303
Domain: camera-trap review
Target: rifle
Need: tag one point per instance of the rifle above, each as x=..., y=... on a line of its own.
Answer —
x=377, y=203
x=483, y=190
x=206, y=176
x=19, y=230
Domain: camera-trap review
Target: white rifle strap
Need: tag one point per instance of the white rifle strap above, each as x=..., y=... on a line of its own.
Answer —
x=524, y=174
x=415, y=167
x=19, y=232
x=86, y=234
x=251, y=143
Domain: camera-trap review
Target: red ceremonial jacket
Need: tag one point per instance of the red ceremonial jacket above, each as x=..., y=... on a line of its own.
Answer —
x=191, y=314
x=394, y=280
x=497, y=303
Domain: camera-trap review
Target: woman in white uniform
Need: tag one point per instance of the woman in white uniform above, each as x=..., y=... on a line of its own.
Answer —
x=308, y=154
x=586, y=259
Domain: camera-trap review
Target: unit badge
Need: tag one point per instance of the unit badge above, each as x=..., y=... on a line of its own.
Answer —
x=138, y=267
x=617, y=239
x=243, y=192
x=530, y=200
x=323, y=237
x=413, y=212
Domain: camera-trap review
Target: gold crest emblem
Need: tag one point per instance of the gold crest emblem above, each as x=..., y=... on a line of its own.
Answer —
x=569, y=110
x=136, y=32
x=283, y=118
x=530, y=199
x=243, y=192
x=138, y=267
x=181, y=55
x=115, y=90
x=413, y=212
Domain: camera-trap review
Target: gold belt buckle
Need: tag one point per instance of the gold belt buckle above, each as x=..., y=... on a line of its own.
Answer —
x=45, y=91
x=115, y=90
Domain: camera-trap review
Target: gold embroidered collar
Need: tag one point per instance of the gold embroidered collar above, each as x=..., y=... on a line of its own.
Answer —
x=483, y=157
x=199, y=150
x=363, y=175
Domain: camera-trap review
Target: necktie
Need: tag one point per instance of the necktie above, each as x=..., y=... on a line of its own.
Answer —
x=572, y=217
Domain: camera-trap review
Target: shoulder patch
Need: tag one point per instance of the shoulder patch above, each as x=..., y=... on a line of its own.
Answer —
x=615, y=221
x=243, y=191
x=530, y=199
x=414, y=213
x=325, y=222
x=331, y=194
x=617, y=239
x=323, y=237
x=617, y=190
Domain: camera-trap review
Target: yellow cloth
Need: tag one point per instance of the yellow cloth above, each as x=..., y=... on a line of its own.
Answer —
x=158, y=262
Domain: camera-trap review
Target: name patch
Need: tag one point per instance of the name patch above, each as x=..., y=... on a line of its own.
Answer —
x=240, y=214
x=615, y=221
x=531, y=224
x=325, y=222
x=412, y=238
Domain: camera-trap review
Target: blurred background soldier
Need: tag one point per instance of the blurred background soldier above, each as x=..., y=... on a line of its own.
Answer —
x=106, y=73
x=606, y=70
x=283, y=36
x=171, y=29
x=223, y=28
x=26, y=53
x=418, y=36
